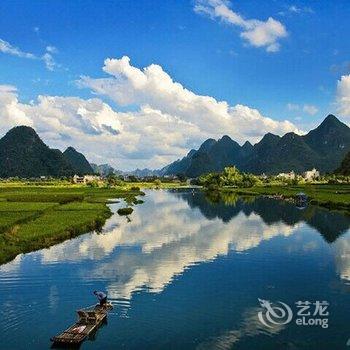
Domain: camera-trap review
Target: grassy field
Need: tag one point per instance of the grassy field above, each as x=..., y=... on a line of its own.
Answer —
x=33, y=217
x=329, y=196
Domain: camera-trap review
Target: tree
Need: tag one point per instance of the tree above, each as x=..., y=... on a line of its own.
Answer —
x=132, y=178
x=231, y=176
x=114, y=180
x=181, y=177
x=211, y=180
x=157, y=182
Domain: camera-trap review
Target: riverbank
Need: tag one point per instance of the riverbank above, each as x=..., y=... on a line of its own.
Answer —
x=35, y=217
x=334, y=197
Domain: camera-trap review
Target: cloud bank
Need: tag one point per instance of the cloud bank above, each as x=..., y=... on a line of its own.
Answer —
x=162, y=122
x=255, y=32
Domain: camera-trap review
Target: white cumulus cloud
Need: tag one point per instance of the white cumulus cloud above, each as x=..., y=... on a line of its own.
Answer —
x=343, y=96
x=128, y=140
x=167, y=122
x=256, y=32
x=10, y=110
x=152, y=86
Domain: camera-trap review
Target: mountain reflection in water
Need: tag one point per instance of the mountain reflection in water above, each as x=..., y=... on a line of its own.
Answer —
x=228, y=205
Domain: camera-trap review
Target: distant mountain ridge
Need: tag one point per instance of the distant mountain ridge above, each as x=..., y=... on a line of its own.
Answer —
x=103, y=169
x=142, y=172
x=322, y=148
x=24, y=154
x=106, y=169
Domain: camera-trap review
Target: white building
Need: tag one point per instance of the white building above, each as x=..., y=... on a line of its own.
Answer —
x=311, y=174
x=290, y=176
x=85, y=179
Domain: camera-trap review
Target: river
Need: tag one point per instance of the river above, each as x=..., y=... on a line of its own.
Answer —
x=186, y=272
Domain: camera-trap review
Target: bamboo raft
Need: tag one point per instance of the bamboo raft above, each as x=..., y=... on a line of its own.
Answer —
x=90, y=319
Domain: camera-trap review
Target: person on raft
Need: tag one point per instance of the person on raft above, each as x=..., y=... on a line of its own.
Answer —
x=102, y=297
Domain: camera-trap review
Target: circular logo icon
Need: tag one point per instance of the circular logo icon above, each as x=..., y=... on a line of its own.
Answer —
x=274, y=313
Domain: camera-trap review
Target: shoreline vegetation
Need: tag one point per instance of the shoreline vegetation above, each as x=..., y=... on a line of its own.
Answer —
x=37, y=217
x=331, y=191
x=332, y=197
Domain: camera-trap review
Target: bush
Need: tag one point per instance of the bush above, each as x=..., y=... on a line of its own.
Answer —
x=92, y=184
x=231, y=176
x=157, y=182
x=125, y=211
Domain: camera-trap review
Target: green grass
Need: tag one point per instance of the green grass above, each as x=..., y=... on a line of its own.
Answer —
x=33, y=217
x=9, y=219
x=35, y=194
x=25, y=206
x=74, y=206
x=58, y=222
x=13, y=213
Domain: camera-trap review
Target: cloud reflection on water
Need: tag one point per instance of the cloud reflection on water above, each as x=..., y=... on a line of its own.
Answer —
x=166, y=236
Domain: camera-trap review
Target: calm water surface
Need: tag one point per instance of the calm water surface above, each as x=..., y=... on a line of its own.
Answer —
x=186, y=273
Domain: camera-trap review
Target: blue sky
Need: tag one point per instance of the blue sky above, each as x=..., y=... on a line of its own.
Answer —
x=292, y=74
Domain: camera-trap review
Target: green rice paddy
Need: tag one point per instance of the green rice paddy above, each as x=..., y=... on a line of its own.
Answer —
x=32, y=218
